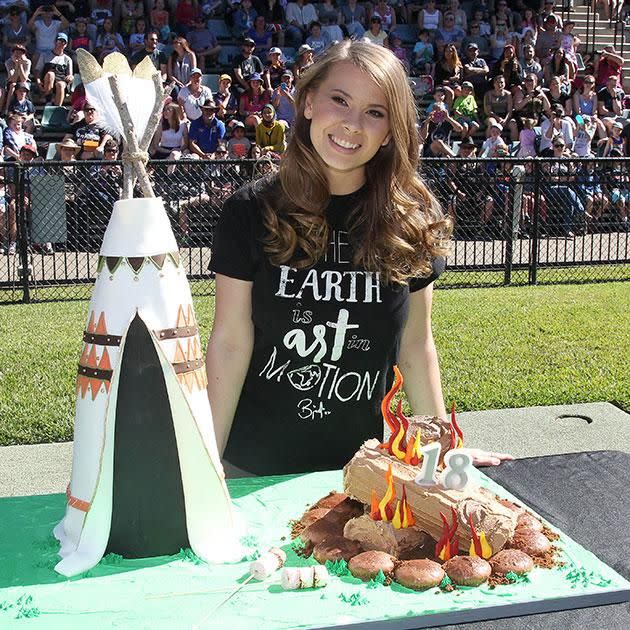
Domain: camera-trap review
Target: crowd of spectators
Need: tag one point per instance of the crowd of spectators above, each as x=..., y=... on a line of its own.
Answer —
x=505, y=77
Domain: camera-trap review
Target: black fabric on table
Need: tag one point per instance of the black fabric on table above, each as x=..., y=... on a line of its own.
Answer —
x=587, y=496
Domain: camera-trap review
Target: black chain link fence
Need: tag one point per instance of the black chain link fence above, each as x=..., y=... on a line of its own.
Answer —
x=516, y=221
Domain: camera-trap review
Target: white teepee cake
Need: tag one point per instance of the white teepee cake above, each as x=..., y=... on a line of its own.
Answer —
x=146, y=476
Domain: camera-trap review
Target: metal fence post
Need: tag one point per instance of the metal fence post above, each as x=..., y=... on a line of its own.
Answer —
x=533, y=257
x=22, y=219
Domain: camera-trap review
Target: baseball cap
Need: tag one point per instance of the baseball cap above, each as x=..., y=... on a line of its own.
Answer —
x=238, y=125
x=209, y=104
x=63, y=37
x=467, y=84
x=255, y=76
x=618, y=125
x=195, y=71
x=287, y=73
x=248, y=41
x=275, y=51
x=225, y=77
x=304, y=48
x=30, y=147
x=22, y=86
x=496, y=125
x=472, y=45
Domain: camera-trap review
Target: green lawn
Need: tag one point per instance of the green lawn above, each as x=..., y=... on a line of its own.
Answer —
x=503, y=347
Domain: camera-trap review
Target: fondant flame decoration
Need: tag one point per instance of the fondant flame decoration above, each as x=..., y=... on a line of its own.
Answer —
x=400, y=445
x=457, y=437
x=448, y=545
x=383, y=510
x=479, y=546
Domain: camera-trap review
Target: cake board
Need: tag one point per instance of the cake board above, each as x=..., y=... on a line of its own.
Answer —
x=180, y=591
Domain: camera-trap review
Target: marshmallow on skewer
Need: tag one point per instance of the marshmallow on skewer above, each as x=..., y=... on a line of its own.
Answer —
x=267, y=564
x=294, y=578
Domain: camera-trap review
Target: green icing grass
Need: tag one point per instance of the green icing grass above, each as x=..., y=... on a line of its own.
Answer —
x=580, y=576
x=338, y=568
x=446, y=581
x=515, y=578
x=378, y=580
x=112, y=559
x=188, y=555
x=354, y=600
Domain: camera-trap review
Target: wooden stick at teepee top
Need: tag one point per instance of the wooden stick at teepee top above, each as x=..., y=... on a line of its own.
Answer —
x=131, y=154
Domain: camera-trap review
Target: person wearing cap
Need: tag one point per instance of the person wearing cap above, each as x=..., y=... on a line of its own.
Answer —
x=206, y=132
x=493, y=142
x=253, y=100
x=465, y=110
x=226, y=99
x=238, y=145
x=21, y=104
x=283, y=98
x=475, y=69
x=46, y=24
x=58, y=72
x=204, y=44
x=304, y=60
x=299, y=15
x=191, y=96
x=274, y=69
x=91, y=137
x=615, y=144
x=151, y=50
x=245, y=64
x=271, y=133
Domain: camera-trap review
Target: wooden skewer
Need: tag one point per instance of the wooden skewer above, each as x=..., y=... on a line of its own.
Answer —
x=234, y=592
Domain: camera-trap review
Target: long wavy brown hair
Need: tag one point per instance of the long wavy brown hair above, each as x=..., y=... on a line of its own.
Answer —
x=396, y=226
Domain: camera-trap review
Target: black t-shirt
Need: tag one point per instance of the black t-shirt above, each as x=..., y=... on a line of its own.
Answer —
x=158, y=58
x=325, y=341
x=248, y=65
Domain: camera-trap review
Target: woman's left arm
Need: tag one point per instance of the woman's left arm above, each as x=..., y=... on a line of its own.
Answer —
x=418, y=362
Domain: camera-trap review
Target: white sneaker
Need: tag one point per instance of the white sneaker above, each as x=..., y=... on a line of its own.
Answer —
x=48, y=248
x=12, y=248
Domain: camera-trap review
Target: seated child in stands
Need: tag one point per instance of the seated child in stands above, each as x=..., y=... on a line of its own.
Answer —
x=423, y=54
x=439, y=97
x=527, y=138
x=238, y=145
x=136, y=39
x=21, y=104
x=395, y=45
x=271, y=133
x=465, y=110
x=494, y=145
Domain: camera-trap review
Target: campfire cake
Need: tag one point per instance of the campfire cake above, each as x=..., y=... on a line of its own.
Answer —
x=385, y=510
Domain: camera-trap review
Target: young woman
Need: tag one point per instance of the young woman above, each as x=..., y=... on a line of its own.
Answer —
x=171, y=139
x=558, y=68
x=324, y=274
x=509, y=67
x=585, y=104
x=181, y=61
x=497, y=104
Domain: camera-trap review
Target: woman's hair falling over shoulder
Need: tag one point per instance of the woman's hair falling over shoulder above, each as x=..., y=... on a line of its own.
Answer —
x=397, y=226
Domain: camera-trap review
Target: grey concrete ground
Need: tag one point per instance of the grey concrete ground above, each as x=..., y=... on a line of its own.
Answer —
x=45, y=468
